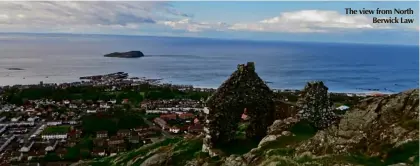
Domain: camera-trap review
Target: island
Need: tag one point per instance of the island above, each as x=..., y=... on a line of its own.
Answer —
x=14, y=68
x=130, y=54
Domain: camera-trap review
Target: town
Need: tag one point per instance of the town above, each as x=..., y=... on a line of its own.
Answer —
x=59, y=124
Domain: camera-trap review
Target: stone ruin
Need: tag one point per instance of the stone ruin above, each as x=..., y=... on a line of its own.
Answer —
x=316, y=106
x=243, y=90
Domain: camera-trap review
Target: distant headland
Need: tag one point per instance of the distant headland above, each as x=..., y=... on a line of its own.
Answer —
x=130, y=54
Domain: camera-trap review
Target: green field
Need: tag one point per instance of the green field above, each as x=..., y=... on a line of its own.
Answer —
x=56, y=129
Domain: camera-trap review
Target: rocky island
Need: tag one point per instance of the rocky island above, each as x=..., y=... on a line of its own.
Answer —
x=14, y=68
x=130, y=54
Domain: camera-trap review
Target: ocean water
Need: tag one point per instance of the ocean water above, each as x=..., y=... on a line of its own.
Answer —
x=208, y=62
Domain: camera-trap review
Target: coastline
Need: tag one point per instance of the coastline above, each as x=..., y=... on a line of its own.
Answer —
x=165, y=81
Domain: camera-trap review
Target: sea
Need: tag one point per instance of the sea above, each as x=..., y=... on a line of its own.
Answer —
x=205, y=62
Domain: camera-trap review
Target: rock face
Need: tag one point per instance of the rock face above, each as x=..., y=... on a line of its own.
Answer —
x=370, y=127
x=131, y=54
x=315, y=105
x=244, y=90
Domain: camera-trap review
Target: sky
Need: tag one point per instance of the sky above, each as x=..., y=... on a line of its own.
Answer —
x=322, y=21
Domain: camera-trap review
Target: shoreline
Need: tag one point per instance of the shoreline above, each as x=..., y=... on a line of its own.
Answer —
x=164, y=81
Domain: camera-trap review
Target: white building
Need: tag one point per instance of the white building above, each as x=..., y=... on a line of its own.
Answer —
x=54, y=123
x=54, y=136
x=90, y=111
x=174, y=130
x=15, y=119
x=156, y=112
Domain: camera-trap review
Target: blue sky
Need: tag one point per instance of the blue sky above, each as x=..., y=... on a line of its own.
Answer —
x=322, y=21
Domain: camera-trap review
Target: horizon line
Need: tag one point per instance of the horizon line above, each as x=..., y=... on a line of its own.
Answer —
x=210, y=38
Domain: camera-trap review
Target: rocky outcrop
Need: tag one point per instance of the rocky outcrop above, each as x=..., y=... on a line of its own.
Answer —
x=244, y=90
x=279, y=126
x=315, y=105
x=130, y=54
x=371, y=127
x=157, y=159
x=235, y=160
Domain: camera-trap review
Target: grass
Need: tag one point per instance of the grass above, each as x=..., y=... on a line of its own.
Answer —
x=56, y=129
x=185, y=151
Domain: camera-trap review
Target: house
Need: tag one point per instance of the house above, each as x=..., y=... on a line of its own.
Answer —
x=66, y=102
x=186, y=116
x=73, y=106
x=114, y=141
x=162, y=123
x=134, y=139
x=99, y=142
x=139, y=129
x=195, y=128
x=75, y=133
x=104, y=105
x=98, y=152
x=102, y=134
x=168, y=116
x=123, y=133
x=174, y=129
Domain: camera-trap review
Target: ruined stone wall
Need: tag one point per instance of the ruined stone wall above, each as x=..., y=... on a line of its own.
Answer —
x=244, y=89
x=315, y=105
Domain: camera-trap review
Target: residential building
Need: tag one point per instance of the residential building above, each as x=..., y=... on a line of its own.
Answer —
x=162, y=123
x=114, y=141
x=123, y=133
x=195, y=128
x=54, y=136
x=102, y=134
x=99, y=142
x=54, y=123
x=98, y=152
x=186, y=116
x=174, y=129
x=134, y=139
x=168, y=116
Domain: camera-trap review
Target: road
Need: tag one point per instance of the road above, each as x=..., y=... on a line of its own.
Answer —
x=37, y=126
x=164, y=133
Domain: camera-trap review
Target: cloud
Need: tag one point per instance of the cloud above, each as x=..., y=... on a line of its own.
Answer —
x=75, y=14
x=303, y=21
x=192, y=26
x=310, y=21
